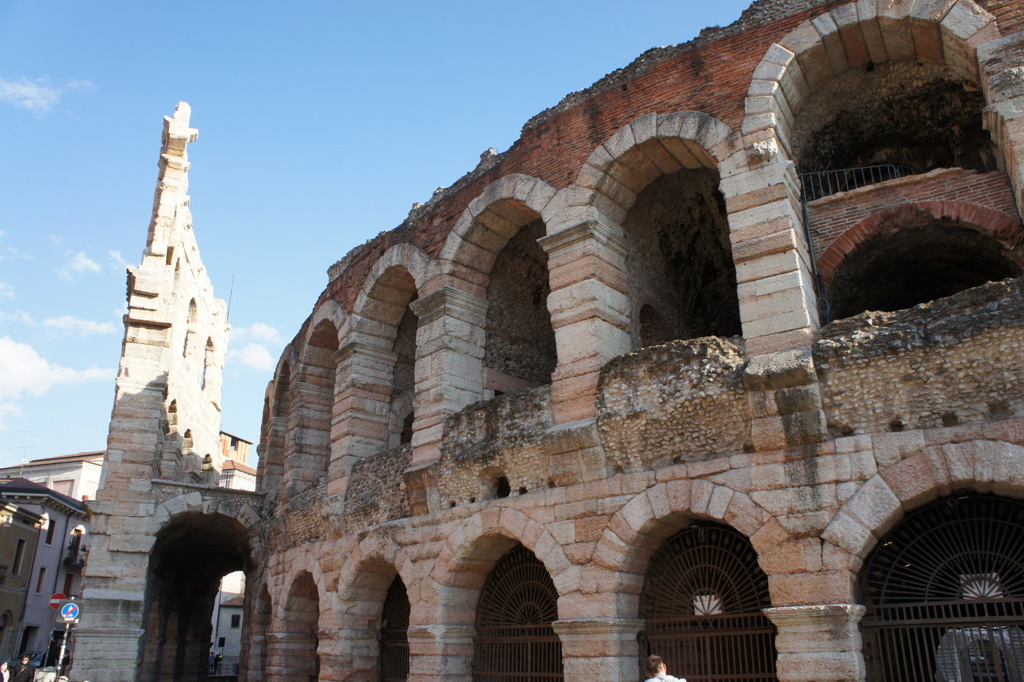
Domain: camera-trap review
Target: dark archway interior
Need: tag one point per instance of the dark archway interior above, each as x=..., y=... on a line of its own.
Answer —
x=917, y=264
x=914, y=115
x=189, y=558
x=520, y=338
x=679, y=259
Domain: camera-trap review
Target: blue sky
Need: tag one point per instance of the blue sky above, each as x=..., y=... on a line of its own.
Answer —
x=321, y=123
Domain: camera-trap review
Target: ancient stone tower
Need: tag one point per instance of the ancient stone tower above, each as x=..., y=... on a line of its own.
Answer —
x=145, y=570
x=722, y=360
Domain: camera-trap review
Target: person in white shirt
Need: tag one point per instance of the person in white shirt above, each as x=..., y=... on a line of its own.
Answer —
x=655, y=667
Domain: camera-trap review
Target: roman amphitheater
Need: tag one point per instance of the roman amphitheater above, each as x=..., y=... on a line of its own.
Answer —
x=722, y=360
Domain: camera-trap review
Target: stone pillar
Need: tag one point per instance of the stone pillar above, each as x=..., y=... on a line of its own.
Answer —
x=449, y=364
x=311, y=423
x=288, y=652
x=362, y=404
x=775, y=286
x=1002, y=73
x=118, y=646
x=600, y=648
x=441, y=653
x=819, y=643
x=589, y=313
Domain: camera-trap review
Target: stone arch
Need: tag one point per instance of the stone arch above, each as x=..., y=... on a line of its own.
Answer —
x=857, y=36
x=402, y=270
x=635, y=532
x=276, y=416
x=471, y=550
x=655, y=187
x=295, y=640
x=198, y=542
x=368, y=573
x=494, y=251
x=915, y=477
x=941, y=247
x=489, y=221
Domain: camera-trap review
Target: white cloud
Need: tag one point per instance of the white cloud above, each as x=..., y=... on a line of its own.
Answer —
x=38, y=95
x=77, y=263
x=70, y=323
x=255, y=356
x=17, y=316
x=56, y=240
x=23, y=370
x=119, y=260
x=257, y=332
x=6, y=292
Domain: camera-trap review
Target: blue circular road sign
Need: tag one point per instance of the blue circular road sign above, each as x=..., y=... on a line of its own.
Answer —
x=70, y=611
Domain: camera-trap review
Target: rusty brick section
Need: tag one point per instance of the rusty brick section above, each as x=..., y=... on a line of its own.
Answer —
x=631, y=331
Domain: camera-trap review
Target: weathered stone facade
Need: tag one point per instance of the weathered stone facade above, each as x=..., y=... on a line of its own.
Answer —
x=412, y=441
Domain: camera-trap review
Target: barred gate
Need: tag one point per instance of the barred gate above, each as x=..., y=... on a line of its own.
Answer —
x=515, y=641
x=945, y=595
x=702, y=605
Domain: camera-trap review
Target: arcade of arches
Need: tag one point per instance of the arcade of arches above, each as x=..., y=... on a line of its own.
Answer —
x=726, y=367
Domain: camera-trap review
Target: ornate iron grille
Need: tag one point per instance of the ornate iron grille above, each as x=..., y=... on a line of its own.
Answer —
x=702, y=604
x=945, y=595
x=394, y=634
x=514, y=637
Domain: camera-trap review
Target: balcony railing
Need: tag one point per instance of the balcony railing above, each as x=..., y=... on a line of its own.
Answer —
x=75, y=557
x=823, y=183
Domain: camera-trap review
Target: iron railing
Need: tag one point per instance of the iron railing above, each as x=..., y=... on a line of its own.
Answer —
x=715, y=648
x=962, y=641
x=823, y=183
x=519, y=653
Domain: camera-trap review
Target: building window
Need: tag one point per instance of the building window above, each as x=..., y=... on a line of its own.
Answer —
x=220, y=643
x=236, y=620
x=50, y=528
x=69, y=582
x=19, y=555
x=66, y=487
x=40, y=579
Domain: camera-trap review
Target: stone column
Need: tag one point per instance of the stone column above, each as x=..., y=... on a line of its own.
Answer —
x=600, y=648
x=449, y=372
x=589, y=313
x=775, y=286
x=819, y=643
x=365, y=379
x=441, y=653
x=288, y=652
x=1002, y=73
x=120, y=646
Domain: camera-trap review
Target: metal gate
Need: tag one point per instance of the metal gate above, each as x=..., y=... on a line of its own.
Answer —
x=945, y=595
x=514, y=639
x=394, y=634
x=702, y=605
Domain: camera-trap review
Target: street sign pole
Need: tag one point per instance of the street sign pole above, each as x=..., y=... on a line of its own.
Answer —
x=63, y=646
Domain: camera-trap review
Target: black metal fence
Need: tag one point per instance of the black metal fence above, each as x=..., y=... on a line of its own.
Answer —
x=971, y=641
x=504, y=652
x=715, y=647
x=823, y=183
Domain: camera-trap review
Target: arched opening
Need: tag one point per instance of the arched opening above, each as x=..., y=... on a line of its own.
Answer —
x=254, y=659
x=519, y=351
x=514, y=638
x=679, y=260
x=394, y=634
x=307, y=459
x=904, y=265
x=208, y=364
x=190, y=556
x=301, y=625
x=945, y=594
x=190, y=329
x=917, y=116
x=275, y=432
x=702, y=607
x=403, y=394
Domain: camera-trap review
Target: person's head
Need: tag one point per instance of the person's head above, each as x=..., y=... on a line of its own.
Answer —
x=3, y=666
x=24, y=659
x=655, y=666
